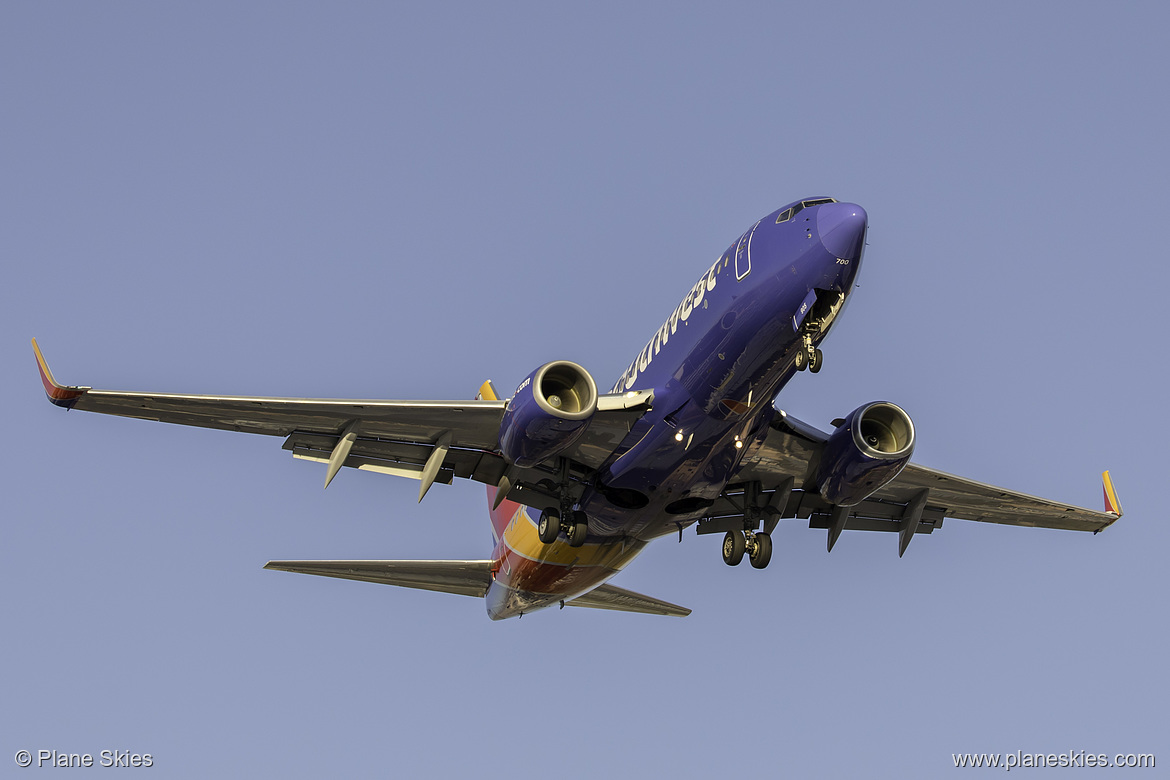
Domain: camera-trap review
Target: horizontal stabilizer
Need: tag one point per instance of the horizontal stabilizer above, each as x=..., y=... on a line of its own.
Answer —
x=466, y=578
x=622, y=600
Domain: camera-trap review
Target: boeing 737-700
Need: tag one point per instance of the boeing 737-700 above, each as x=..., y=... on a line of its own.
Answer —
x=579, y=481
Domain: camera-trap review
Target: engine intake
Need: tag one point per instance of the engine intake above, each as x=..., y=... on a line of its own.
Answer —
x=551, y=409
x=870, y=447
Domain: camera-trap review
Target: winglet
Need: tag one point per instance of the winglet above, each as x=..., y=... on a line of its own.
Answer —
x=487, y=392
x=1112, y=505
x=61, y=395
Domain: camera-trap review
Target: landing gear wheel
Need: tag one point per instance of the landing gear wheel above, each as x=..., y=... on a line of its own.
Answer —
x=762, y=553
x=549, y=526
x=801, y=360
x=818, y=359
x=734, y=545
x=578, y=530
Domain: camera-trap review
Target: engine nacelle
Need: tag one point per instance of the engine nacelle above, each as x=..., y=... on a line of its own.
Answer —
x=551, y=409
x=865, y=453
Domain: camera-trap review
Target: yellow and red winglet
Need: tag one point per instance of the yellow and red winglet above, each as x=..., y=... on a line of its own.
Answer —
x=61, y=395
x=1112, y=505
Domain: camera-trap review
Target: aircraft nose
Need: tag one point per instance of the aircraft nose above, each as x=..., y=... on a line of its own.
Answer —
x=841, y=227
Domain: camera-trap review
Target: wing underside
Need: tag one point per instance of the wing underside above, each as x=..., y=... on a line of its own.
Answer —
x=775, y=481
x=433, y=441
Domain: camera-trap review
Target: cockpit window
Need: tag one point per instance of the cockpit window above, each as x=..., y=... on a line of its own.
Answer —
x=788, y=214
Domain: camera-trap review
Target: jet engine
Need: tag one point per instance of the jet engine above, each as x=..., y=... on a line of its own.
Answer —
x=868, y=449
x=551, y=409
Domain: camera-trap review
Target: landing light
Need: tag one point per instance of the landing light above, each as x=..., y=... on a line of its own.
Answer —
x=738, y=444
x=678, y=436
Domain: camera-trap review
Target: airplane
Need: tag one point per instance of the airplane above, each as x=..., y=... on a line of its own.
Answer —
x=579, y=481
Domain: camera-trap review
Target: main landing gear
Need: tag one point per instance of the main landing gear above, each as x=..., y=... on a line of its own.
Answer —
x=552, y=522
x=757, y=545
x=573, y=522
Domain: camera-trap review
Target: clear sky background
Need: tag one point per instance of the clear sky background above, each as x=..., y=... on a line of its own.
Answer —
x=402, y=200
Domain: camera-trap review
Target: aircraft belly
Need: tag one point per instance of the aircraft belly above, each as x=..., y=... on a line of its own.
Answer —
x=679, y=469
x=714, y=383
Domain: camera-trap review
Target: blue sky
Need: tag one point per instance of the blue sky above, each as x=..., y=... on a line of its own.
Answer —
x=374, y=200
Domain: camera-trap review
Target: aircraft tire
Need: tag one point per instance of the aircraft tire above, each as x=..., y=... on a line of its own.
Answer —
x=577, y=533
x=818, y=359
x=763, y=552
x=801, y=360
x=549, y=526
x=734, y=545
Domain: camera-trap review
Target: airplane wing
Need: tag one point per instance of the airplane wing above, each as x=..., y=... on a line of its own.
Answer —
x=773, y=477
x=467, y=578
x=432, y=441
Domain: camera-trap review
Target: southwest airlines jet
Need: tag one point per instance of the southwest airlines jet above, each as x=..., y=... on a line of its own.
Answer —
x=579, y=481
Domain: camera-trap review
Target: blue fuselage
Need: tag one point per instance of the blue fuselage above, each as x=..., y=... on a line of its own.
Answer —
x=718, y=362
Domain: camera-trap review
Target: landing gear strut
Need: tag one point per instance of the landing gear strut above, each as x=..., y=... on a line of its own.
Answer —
x=809, y=357
x=757, y=545
x=573, y=522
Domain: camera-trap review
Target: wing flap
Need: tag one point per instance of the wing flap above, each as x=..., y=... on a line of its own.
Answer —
x=622, y=600
x=465, y=578
x=400, y=458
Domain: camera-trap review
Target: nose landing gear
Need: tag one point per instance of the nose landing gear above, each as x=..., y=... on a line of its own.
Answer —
x=828, y=304
x=809, y=357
